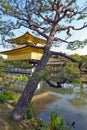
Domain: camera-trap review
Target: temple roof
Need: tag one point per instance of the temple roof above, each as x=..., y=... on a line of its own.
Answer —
x=27, y=37
x=23, y=53
x=24, y=49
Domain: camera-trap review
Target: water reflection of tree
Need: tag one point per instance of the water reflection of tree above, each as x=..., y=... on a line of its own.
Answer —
x=80, y=98
x=82, y=93
x=78, y=102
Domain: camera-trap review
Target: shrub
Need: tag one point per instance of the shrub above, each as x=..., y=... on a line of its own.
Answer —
x=42, y=125
x=38, y=124
x=2, y=98
x=7, y=95
x=57, y=122
x=34, y=123
x=29, y=113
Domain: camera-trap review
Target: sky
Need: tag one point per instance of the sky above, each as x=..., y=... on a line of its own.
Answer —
x=76, y=35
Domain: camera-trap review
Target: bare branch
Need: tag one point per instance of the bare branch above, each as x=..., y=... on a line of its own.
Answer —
x=71, y=27
x=84, y=26
x=15, y=15
x=81, y=68
x=62, y=40
x=64, y=55
x=34, y=45
x=83, y=11
x=68, y=32
x=45, y=18
x=17, y=27
x=41, y=33
x=31, y=45
x=34, y=26
x=50, y=2
x=20, y=11
x=71, y=2
x=57, y=85
x=69, y=13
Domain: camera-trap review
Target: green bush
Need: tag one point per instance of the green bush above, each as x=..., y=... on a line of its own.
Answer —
x=7, y=95
x=2, y=98
x=41, y=125
x=29, y=113
x=57, y=122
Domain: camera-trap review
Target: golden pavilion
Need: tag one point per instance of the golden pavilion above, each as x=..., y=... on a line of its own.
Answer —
x=24, y=51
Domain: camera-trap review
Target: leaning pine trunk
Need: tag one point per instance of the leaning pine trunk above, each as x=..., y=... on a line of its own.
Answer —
x=19, y=111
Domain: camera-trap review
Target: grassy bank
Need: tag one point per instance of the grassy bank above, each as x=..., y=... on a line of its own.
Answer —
x=7, y=124
x=40, y=101
x=39, y=105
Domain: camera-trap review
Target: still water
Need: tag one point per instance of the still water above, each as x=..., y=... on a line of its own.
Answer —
x=72, y=104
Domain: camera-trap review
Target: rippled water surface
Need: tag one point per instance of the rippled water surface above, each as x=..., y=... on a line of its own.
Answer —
x=72, y=104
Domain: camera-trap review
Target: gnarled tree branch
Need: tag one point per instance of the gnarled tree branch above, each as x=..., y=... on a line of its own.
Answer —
x=81, y=68
x=66, y=56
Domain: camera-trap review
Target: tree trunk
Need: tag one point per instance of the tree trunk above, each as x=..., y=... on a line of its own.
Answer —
x=19, y=111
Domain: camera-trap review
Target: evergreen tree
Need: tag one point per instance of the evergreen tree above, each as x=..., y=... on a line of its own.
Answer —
x=47, y=18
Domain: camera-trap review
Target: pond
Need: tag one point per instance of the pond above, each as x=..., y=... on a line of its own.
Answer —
x=72, y=104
